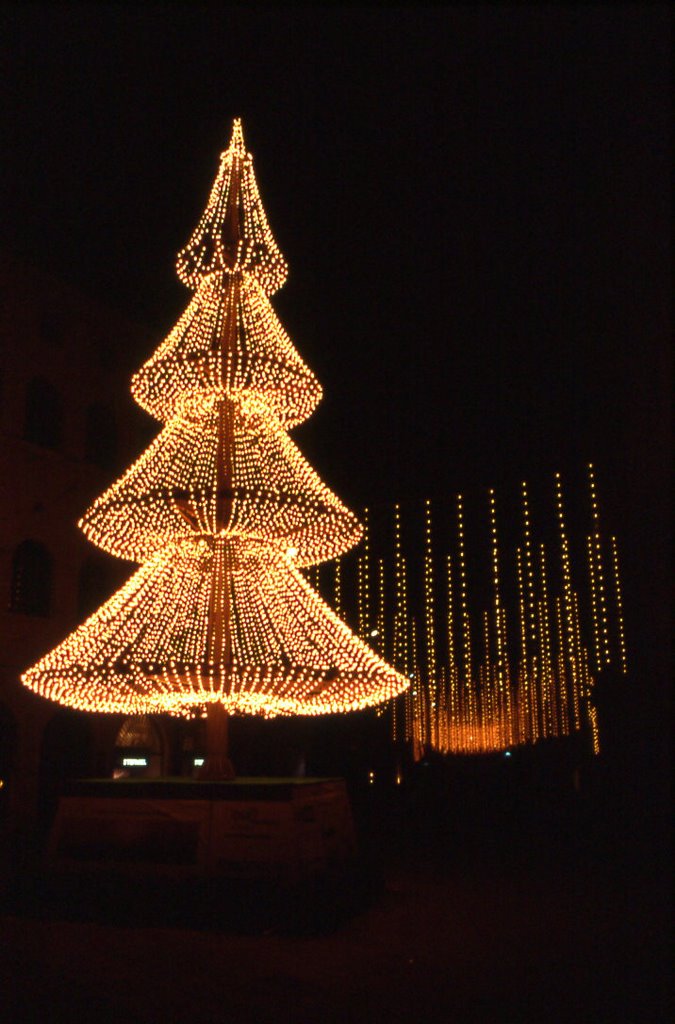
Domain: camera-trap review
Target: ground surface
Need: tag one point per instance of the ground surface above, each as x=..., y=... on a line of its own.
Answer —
x=491, y=915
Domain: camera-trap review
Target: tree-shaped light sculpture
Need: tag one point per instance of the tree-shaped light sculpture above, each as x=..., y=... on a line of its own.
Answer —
x=221, y=511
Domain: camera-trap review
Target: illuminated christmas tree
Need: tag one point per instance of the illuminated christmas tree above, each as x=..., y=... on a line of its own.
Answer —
x=221, y=511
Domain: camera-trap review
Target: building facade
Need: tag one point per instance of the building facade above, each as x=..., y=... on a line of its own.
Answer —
x=68, y=427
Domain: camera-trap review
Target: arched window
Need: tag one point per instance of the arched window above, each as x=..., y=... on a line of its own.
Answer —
x=100, y=443
x=44, y=416
x=94, y=586
x=31, y=586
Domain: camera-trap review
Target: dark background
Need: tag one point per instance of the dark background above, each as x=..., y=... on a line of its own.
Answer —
x=474, y=204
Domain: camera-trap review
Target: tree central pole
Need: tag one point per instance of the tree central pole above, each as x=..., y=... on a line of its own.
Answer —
x=217, y=766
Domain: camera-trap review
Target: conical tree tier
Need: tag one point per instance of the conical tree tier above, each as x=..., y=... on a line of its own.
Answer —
x=227, y=469
x=233, y=233
x=228, y=340
x=215, y=621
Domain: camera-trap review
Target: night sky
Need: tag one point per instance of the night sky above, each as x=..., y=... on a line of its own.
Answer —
x=473, y=202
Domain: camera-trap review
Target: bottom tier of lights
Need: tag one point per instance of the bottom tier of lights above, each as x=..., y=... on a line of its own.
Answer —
x=215, y=620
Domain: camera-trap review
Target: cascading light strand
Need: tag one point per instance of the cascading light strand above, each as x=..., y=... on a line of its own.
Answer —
x=569, y=644
x=337, y=589
x=495, y=710
x=381, y=609
x=597, y=653
x=429, y=602
x=619, y=607
x=466, y=625
x=365, y=555
x=599, y=571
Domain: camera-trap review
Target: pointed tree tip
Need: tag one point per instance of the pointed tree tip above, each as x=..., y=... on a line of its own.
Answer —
x=237, y=137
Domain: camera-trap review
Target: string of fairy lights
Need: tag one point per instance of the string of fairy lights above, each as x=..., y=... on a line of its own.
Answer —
x=499, y=665
x=229, y=525
x=274, y=495
x=222, y=512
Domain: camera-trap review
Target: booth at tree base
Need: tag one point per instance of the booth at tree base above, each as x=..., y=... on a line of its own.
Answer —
x=281, y=830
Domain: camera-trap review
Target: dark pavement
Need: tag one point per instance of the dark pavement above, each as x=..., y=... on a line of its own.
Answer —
x=467, y=907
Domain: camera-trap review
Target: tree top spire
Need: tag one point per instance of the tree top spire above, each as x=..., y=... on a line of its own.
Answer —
x=222, y=510
x=233, y=235
x=236, y=139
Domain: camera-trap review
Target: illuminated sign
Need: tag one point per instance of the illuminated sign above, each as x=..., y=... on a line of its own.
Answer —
x=134, y=762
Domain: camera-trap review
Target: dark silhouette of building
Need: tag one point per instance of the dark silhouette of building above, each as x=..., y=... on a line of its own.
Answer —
x=68, y=426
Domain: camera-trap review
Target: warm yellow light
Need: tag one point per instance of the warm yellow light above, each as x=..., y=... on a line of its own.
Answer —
x=224, y=467
x=496, y=692
x=227, y=342
x=233, y=234
x=222, y=511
